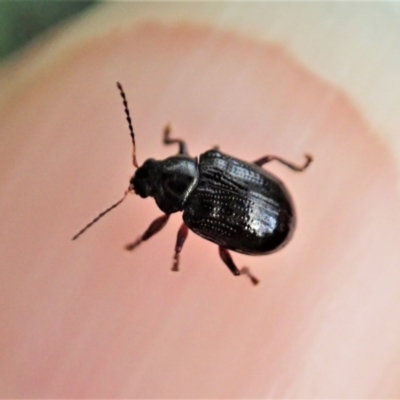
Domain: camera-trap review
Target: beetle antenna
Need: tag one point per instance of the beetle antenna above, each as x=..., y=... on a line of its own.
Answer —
x=101, y=215
x=128, y=118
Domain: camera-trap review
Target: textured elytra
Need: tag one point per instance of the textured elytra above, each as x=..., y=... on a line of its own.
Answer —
x=239, y=206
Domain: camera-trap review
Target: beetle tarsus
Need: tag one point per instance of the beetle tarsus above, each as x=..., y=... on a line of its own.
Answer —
x=133, y=245
x=175, y=265
x=227, y=259
x=180, y=240
x=254, y=280
x=266, y=159
x=154, y=227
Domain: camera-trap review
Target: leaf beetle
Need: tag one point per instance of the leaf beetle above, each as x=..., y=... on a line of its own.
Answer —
x=235, y=204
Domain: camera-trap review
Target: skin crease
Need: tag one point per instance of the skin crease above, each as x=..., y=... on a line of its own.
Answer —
x=85, y=319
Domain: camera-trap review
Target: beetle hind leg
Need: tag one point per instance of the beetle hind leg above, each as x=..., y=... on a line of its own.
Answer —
x=298, y=168
x=227, y=259
x=246, y=271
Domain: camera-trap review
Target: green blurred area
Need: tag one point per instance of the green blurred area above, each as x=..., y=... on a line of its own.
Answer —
x=21, y=21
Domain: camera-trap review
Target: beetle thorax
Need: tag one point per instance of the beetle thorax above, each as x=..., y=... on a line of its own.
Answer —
x=169, y=181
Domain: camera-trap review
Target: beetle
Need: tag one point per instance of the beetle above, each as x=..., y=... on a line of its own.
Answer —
x=235, y=204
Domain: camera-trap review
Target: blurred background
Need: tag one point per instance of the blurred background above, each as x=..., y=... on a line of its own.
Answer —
x=22, y=21
x=84, y=320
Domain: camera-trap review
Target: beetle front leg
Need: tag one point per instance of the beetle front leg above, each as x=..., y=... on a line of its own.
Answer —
x=154, y=227
x=180, y=240
x=227, y=259
x=297, y=168
x=167, y=140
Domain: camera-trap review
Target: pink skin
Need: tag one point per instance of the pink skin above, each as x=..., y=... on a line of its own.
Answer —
x=86, y=319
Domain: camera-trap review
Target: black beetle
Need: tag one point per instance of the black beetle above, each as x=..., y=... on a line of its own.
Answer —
x=233, y=203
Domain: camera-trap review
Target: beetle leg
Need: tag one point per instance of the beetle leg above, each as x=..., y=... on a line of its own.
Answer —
x=227, y=259
x=154, y=227
x=254, y=279
x=180, y=240
x=167, y=140
x=266, y=159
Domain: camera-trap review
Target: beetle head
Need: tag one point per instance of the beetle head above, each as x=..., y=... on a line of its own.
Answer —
x=142, y=182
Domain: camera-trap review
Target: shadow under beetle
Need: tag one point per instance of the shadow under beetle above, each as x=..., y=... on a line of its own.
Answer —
x=233, y=203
